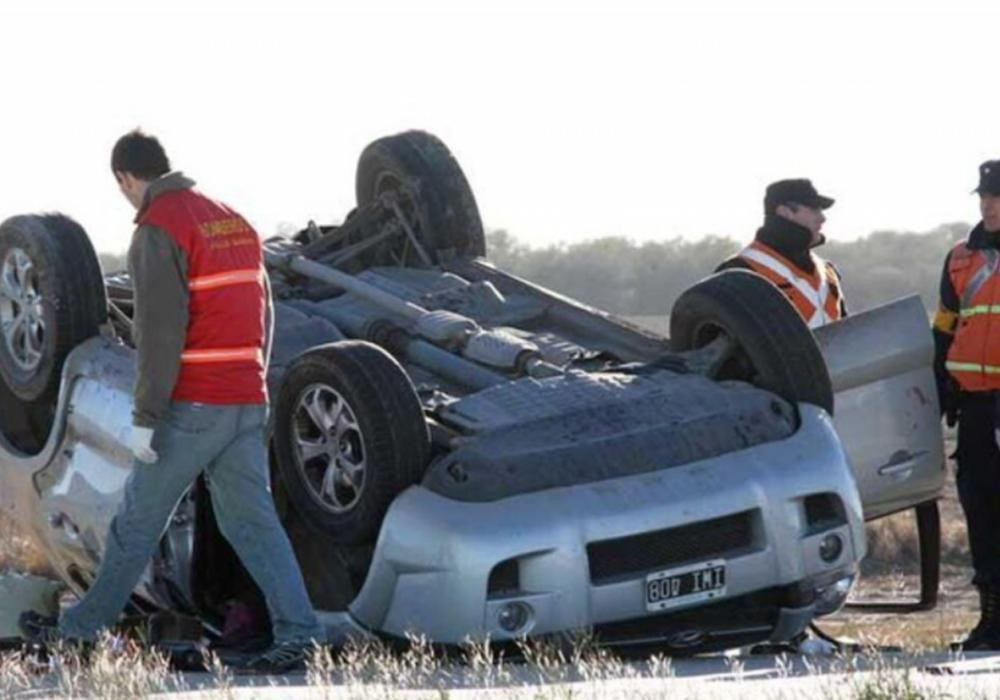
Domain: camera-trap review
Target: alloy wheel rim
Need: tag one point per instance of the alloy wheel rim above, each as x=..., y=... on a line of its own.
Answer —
x=22, y=319
x=328, y=445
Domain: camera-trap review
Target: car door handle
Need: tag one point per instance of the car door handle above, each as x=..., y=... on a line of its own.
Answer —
x=899, y=462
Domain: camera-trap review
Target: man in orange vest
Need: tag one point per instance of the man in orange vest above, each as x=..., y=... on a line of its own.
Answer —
x=967, y=340
x=202, y=328
x=782, y=251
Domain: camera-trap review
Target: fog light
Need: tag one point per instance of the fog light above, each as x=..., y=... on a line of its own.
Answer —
x=513, y=616
x=830, y=548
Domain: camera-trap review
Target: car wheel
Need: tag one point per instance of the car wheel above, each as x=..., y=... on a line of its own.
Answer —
x=432, y=192
x=349, y=436
x=51, y=299
x=761, y=337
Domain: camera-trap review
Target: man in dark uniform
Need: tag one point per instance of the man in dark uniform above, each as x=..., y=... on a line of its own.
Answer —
x=782, y=251
x=967, y=365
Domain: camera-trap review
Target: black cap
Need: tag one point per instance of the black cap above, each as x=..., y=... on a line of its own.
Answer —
x=989, y=178
x=797, y=191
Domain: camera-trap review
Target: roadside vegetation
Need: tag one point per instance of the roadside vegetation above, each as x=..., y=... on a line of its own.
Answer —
x=567, y=669
x=617, y=274
x=643, y=279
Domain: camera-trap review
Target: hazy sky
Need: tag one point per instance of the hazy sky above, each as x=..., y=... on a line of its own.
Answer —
x=572, y=120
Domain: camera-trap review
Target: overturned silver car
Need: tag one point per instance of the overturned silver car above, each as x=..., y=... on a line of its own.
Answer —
x=460, y=453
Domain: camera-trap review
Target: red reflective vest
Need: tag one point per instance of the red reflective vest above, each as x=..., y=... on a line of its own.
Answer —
x=817, y=296
x=974, y=355
x=223, y=361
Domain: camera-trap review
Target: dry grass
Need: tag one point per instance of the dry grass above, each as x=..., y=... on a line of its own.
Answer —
x=567, y=668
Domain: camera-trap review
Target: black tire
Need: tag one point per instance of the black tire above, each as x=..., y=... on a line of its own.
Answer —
x=435, y=194
x=775, y=349
x=25, y=424
x=384, y=430
x=65, y=273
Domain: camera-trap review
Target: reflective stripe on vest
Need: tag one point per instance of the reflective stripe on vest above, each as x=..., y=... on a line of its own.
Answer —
x=245, y=354
x=971, y=367
x=817, y=297
x=225, y=279
x=216, y=281
x=981, y=309
x=982, y=275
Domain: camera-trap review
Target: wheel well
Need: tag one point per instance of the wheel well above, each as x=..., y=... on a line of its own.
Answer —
x=218, y=577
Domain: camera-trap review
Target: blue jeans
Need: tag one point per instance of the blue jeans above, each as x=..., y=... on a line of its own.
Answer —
x=226, y=442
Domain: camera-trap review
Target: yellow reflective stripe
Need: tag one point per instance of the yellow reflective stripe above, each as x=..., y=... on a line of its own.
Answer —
x=971, y=367
x=249, y=354
x=981, y=309
x=224, y=279
x=945, y=320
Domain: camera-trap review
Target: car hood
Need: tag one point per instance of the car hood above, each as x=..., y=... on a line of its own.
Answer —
x=530, y=435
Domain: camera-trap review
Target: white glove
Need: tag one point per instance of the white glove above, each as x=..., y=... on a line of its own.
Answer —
x=140, y=441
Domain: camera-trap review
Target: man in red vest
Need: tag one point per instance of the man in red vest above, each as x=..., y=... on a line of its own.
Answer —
x=782, y=251
x=967, y=340
x=202, y=327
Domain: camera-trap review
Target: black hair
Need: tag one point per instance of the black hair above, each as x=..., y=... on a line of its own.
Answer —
x=140, y=155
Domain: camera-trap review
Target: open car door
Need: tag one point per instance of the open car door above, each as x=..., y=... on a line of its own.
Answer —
x=887, y=416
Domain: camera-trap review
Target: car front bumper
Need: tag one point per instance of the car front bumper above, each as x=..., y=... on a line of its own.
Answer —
x=578, y=557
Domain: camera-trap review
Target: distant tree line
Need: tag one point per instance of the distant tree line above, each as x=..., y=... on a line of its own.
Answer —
x=112, y=262
x=630, y=278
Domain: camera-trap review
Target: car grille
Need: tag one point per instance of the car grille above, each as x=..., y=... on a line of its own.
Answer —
x=615, y=559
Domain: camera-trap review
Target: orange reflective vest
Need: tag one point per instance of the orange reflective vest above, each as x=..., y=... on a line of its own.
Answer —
x=974, y=356
x=222, y=361
x=817, y=296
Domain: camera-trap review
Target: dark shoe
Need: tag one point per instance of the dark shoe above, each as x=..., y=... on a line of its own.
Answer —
x=38, y=628
x=42, y=631
x=985, y=636
x=280, y=658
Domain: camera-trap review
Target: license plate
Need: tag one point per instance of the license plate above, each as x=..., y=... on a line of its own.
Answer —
x=686, y=584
